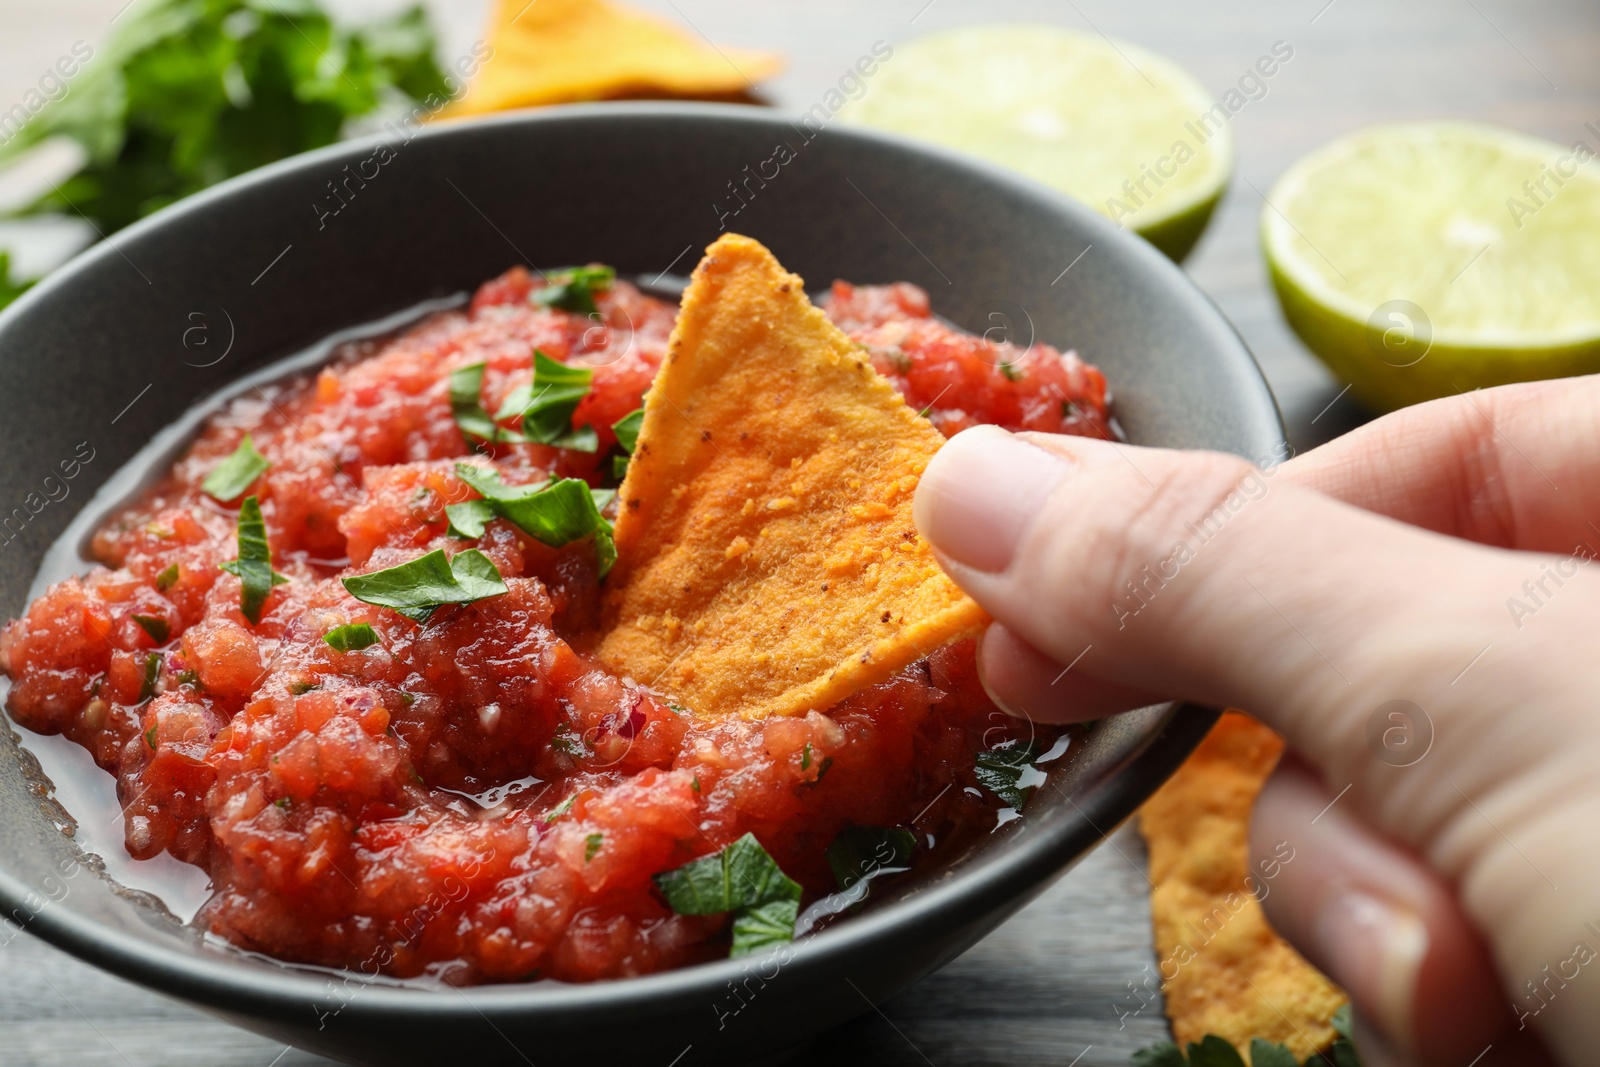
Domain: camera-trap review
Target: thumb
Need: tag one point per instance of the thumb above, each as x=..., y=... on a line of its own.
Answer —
x=1199, y=576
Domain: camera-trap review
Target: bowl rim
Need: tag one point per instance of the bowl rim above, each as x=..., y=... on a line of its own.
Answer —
x=216, y=980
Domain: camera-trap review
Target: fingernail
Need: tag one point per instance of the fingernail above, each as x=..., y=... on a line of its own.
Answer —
x=980, y=494
x=1376, y=947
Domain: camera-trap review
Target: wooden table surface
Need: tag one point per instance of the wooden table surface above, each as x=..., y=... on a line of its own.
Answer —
x=1053, y=985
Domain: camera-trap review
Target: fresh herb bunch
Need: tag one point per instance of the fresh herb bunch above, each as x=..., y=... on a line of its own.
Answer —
x=190, y=92
x=1213, y=1051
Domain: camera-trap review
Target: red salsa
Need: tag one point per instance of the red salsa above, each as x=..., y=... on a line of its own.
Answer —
x=474, y=797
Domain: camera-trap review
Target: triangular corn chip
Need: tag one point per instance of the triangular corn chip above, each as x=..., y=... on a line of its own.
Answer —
x=767, y=559
x=1224, y=971
x=561, y=51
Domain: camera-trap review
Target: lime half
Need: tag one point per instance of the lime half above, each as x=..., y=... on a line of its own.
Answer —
x=1423, y=260
x=1125, y=131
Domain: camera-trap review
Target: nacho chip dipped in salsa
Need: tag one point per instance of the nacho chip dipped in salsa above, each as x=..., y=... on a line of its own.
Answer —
x=339, y=654
x=769, y=561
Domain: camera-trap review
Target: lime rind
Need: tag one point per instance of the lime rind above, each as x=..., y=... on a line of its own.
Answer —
x=1416, y=263
x=1119, y=128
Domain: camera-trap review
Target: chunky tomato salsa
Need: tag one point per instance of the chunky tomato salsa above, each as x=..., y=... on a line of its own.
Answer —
x=336, y=657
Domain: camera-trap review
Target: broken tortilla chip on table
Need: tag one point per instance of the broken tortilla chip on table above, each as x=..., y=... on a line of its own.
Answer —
x=567, y=51
x=768, y=563
x=1224, y=971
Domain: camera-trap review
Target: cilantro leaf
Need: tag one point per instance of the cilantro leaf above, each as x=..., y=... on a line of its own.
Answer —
x=466, y=407
x=1162, y=1054
x=167, y=578
x=1008, y=772
x=233, y=475
x=253, y=567
x=573, y=289
x=155, y=626
x=547, y=405
x=591, y=845
x=559, y=810
x=187, y=93
x=152, y=676
x=763, y=926
x=627, y=429
x=1342, y=1053
x=1266, y=1054
x=744, y=880
x=351, y=637
x=468, y=518
x=863, y=852
x=417, y=588
x=1213, y=1051
x=555, y=513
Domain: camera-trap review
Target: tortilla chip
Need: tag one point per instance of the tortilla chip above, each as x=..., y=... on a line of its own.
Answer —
x=767, y=562
x=562, y=51
x=1223, y=969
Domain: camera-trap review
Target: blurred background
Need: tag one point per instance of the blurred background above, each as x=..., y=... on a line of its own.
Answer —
x=1063, y=982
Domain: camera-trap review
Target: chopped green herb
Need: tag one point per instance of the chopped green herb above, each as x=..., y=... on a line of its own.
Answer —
x=302, y=687
x=547, y=405
x=1069, y=410
x=560, y=809
x=233, y=475
x=283, y=802
x=189, y=92
x=1213, y=1051
x=591, y=845
x=417, y=588
x=167, y=578
x=468, y=518
x=466, y=406
x=1008, y=772
x=407, y=698
x=573, y=289
x=1265, y=1054
x=556, y=513
x=351, y=637
x=189, y=678
x=152, y=675
x=694, y=783
x=150, y=737
x=741, y=879
x=158, y=628
x=1012, y=372
x=627, y=429
x=805, y=758
x=861, y=852
x=254, y=565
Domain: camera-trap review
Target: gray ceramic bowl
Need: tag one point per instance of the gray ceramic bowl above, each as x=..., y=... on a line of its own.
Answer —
x=644, y=187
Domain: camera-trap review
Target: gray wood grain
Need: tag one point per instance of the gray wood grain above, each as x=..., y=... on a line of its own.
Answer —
x=1050, y=985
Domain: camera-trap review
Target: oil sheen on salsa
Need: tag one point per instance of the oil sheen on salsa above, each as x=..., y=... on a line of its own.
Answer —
x=474, y=798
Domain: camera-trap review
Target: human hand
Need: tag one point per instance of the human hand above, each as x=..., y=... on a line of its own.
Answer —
x=1438, y=557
